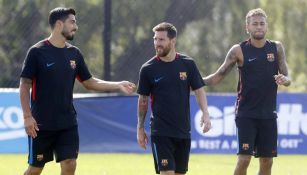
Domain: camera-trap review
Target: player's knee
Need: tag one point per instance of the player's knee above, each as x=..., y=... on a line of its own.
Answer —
x=266, y=162
x=244, y=160
x=69, y=165
x=33, y=171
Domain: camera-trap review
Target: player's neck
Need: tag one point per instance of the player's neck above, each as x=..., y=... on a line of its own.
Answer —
x=258, y=43
x=57, y=40
x=170, y=56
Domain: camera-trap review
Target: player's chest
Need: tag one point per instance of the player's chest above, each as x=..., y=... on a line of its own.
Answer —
x=169, y=76
x=57, y=64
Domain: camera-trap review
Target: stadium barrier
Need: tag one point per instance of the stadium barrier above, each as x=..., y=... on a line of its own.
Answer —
x=108, y=124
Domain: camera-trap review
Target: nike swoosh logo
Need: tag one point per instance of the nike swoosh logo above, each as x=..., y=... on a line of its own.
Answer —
x=251, y=59
x=158, y=79
x=50, y=64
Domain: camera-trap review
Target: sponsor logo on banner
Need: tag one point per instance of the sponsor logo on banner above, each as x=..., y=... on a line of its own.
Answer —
x=11, y=123
x=291, y=123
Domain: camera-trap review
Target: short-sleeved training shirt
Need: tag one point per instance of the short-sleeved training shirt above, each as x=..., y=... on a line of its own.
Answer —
x=53, y=72
x=168, y=84
x=257, y=89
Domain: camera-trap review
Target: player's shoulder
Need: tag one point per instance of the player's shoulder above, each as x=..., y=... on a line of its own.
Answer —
x=153, y=60
x=70, y=46
x=184, y=57
x=277, y=43
x=236, y=49
x=40, y=45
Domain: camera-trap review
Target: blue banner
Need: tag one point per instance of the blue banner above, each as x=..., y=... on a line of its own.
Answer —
x=108, y=124
x=12, y=134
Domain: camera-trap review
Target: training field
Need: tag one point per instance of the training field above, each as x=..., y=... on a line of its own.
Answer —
x=142, y=164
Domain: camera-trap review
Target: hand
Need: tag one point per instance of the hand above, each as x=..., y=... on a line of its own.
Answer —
x=205, y=122
x=280, y=79
x=31, y=126
x=142, y=137
x=127, y=87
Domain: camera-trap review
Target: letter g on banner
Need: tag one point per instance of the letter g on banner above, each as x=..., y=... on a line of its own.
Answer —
x=216, y=116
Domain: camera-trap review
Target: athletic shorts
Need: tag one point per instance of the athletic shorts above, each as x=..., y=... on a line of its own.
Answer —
x=257, y=137
x=64, y=144
x=170, y=153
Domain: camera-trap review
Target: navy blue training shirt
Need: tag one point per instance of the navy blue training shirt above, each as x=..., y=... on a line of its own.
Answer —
x=257, y=89
x=53, y=72
x=168, y=84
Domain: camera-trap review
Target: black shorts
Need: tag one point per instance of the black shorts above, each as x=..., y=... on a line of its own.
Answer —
x=63, y=143
x=170, y=153
x=257, y=137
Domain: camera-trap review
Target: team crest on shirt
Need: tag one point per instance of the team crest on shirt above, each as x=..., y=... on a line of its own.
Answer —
x=270, y=57
x=183, y=75
x=39, y=157
x=164, y=162
x=245, y=146
x=73, y=64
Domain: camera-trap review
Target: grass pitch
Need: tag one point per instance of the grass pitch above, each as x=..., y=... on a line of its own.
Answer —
x=142, y=164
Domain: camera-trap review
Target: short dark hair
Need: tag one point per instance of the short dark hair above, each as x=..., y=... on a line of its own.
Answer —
x=255, y=12
x=60, y=13
x=168, y=27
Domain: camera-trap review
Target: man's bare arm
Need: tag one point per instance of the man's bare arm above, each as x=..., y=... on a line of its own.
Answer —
x=101, y=85
x=205, y=122
x=283, y=77
x=230, y=60
x=142, y=110
x=24, y=90
x=29, y=122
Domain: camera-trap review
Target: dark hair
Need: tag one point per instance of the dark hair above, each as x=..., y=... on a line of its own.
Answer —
x=164, y=26
x=60, y=13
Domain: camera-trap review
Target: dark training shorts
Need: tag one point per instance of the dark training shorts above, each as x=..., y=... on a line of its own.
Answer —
x=170, y=153
x=63, y=143
x=257, y=137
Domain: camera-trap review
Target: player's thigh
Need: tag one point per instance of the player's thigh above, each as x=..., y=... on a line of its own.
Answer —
x=67, y=144
x=181, y=155
x=163, y=152
x=246, y=135
x=266, y=142
x=41, y=148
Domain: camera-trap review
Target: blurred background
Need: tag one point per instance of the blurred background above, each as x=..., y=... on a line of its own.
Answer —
x=116, y=36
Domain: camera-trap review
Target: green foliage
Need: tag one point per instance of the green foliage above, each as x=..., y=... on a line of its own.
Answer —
x=207, y=30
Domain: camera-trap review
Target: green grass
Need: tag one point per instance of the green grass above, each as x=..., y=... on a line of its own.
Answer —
x=142, y=164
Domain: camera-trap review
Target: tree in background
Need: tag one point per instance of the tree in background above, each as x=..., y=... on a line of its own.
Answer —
x=206, y=31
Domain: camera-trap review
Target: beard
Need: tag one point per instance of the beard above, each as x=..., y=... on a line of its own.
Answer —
x=162, y=52
x=67, y=35
x=258, y=36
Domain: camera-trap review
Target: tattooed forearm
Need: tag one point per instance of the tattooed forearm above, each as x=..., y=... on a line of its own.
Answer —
x=142, y=110
x=282, y=65
x=225, y=68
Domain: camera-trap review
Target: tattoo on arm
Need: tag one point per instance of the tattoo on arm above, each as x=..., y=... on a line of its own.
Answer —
x=225, y=68
x=142, y=110
x=282, y=65
x=230, y=61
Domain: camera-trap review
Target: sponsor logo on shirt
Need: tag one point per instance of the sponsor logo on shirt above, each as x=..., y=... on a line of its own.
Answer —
x=158, y=79
x=270, y=57
x=251, y=59
x=73, y=64
x=183, y=75
x=50, y=64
